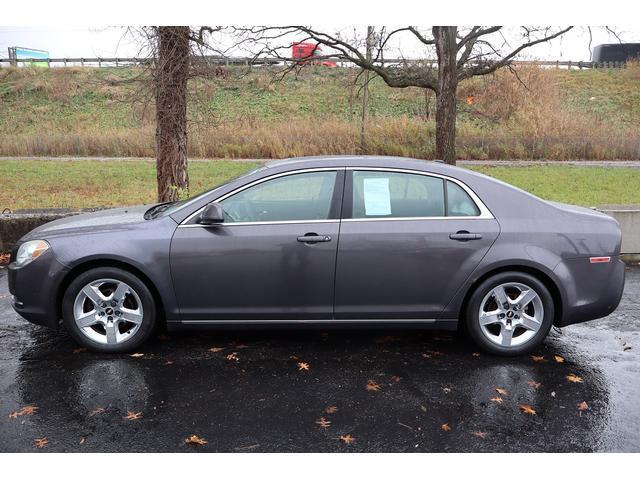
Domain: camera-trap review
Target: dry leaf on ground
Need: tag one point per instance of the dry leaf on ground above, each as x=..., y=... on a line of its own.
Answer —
x=97, y=411
x=534, y=384
x=133, y=416
x=137, y=355
x=537, y=358
x=348, y=439
x=445, y=427
x=497, y=400
x=303, y=366
x=527, y=409
x=558, y=358
x=28, y=410
x=480, y=434
x=323, y=422
x=331, y=409
x=195, y=440
x=40, y=442
x=501, y=391
x=574, y=378
x=233, y=357
x=372, y=386
x=582, y=406
x=216, y=349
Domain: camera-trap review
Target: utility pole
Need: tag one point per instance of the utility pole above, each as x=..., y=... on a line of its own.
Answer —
x=365, y=92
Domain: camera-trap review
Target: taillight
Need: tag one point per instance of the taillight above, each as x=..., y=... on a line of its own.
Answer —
x=599, y=259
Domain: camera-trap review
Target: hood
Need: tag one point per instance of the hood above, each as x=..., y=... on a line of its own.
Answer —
x=113, y=218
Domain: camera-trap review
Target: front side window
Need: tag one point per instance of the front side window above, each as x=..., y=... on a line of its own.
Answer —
x=378, y=194
x=296, y=197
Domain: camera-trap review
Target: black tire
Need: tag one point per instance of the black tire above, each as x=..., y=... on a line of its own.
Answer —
x=471, y=315
x=145, y=329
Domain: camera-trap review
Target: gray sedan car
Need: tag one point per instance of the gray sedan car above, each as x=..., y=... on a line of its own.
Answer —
x=330, y=241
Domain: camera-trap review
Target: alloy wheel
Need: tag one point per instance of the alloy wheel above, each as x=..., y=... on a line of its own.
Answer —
x=511, y=314
x=108, y=311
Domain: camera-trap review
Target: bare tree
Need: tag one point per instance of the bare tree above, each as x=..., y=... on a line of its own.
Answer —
x=176, y=54
x=461, y=53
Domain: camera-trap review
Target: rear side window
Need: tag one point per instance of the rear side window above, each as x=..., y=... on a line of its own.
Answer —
x=378, y=194
x=459, y=203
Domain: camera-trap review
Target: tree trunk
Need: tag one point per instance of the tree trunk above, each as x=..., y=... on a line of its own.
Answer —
x=171, y=75
x=446, y=49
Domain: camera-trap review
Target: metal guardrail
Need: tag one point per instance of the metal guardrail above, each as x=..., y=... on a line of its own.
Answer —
x=133, y=61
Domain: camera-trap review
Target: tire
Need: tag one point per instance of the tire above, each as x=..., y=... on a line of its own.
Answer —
x=109, y=310
x=514, y=327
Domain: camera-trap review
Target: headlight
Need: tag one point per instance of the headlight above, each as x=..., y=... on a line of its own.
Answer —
x=29, y=251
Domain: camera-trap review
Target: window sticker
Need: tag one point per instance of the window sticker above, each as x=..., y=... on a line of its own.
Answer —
x=377, y=198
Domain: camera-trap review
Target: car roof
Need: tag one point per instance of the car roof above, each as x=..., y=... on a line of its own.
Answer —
x=358, y=161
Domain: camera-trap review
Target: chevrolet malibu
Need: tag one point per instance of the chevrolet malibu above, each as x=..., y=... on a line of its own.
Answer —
x=326, y=241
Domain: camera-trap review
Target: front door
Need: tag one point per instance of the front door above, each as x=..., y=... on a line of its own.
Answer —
x=273, y=258
x=408, y=241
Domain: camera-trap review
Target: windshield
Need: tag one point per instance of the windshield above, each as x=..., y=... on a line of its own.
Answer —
x=164, y=209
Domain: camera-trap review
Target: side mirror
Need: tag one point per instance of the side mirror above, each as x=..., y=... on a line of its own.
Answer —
x=212, y=214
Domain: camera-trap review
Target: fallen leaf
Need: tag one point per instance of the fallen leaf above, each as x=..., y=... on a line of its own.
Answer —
x=480, y=434
x=583, y=406
x=233, y=357
x=534, y=384
x=41, y=442
x=528, y=409
x=445, y=427
x=330, y=410
x=475, y=354
x=241, y=346
x=372, y=386
x=79, y=350
x=323, y=422
x=303, y=366
x=195, y=440
x=558, y=358
x=396, y=378
x=501, y=391
x=446, y=389
x=216, y=349
x=133, y=416
x=82, y=440
x=574, y=378
x=348, y=439
x=137, y=355
x=28, y=410
x=169, y=362
x=97, y=411
x=497, y=400
x=537, y=358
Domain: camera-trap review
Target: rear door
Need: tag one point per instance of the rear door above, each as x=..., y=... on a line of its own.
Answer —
x=408, y=241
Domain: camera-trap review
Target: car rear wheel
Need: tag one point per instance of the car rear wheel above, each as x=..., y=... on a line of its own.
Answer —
x=109, y=310
x=510, y=313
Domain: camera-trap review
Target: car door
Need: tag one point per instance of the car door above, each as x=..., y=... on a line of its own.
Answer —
x=408, y=241
x=273, y=257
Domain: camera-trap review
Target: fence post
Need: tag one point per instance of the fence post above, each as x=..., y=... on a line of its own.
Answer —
x=82, y=62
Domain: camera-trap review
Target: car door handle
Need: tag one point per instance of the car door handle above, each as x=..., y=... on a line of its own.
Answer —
x=313, y=238
x=464, y=236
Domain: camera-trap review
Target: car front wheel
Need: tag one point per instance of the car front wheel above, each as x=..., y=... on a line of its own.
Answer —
x=510, y=313
x=109, y=310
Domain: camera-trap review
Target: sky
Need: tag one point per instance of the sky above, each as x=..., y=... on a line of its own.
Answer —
x=78, y=41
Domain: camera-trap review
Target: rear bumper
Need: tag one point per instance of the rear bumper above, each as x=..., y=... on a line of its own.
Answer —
x=34, y=288
x=592, y=290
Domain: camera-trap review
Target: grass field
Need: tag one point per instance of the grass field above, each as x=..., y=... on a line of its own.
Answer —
x=78, y=184
x=550, y=114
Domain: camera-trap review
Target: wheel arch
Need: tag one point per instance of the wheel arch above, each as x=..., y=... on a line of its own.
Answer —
x=116, y=263
x=538, y=273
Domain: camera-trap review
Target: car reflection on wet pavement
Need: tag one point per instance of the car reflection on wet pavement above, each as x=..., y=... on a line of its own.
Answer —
x=317, y=391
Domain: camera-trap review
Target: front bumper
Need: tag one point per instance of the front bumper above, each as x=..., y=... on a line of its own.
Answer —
x=592, y=290
x=35, y=289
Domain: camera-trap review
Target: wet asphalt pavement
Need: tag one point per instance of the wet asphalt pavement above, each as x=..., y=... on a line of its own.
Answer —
x=245, y=392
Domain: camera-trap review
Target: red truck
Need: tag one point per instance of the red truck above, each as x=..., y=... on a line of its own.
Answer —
x=310, y=50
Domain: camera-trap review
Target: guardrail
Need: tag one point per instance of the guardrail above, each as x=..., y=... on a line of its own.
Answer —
x=260, y=61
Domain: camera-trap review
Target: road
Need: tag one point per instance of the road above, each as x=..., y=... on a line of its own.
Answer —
x=250, y=391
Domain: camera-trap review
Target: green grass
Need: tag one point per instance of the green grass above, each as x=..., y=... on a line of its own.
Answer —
x=78, y=184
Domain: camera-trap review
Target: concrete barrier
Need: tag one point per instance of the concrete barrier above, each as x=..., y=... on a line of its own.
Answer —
x=15, y=225
x=628, y=216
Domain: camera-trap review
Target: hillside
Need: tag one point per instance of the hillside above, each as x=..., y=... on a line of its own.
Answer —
x=541, y=113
